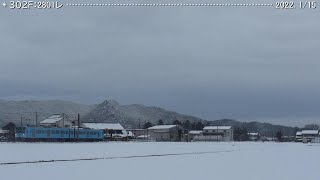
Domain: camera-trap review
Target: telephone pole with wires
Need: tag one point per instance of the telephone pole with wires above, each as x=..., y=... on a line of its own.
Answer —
x=78, y=127
x=36, y=118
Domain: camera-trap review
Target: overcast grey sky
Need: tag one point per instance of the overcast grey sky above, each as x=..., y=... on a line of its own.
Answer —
x=225, y=62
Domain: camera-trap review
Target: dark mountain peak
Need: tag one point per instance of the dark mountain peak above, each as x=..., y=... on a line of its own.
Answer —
x=110, y=102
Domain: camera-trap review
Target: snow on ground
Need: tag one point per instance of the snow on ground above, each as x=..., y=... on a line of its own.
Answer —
x=226, y=161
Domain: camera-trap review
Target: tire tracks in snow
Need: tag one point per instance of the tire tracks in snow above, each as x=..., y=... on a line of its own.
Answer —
x=113, y=157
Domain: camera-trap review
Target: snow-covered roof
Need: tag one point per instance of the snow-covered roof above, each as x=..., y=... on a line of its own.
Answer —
x=195, y=132
x=3, y=131
x=52, y=119
x=299, y=133
x=143, y=136
x=217, y=127
x=114, y=126
x=253, y=134
x=162, y=127
x=310, y=132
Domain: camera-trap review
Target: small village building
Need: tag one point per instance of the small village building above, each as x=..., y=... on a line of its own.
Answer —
x=193, y=134
x=165, y=133
x=254, y=136
x=142, y=137
x=57, y=120
x=316, y=139
x=111, y=130
x=298, y=137
x=4, y=134
x=137, y=132
x=216, y=133
x=309, y=135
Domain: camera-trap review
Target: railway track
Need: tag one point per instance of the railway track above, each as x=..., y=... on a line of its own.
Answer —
x=112, y=157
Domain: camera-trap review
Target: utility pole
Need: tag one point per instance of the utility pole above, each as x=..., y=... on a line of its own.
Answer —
x=74, y=131
x=217, y=133
x=36, y=118
x=63, y=119
x=78, y=126
x=139, y=124
x=21, y=120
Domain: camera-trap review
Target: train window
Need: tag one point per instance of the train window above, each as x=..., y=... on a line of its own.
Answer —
x=20, y=129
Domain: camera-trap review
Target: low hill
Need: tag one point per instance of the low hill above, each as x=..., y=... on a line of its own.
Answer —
x=12, y=111
x=131, y=115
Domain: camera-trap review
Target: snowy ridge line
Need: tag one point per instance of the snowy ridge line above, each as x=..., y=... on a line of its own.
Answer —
x=114, y=157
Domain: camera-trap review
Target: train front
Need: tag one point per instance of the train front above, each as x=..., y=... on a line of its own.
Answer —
x=21, y=133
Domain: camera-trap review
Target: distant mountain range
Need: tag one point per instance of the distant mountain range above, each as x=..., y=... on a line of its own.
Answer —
x=12, y=111
x=111, y=111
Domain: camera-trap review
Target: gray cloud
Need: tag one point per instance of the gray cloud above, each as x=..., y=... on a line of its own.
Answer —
x=243, y=63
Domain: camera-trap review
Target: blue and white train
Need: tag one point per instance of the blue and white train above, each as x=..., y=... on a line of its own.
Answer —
x=57, y=134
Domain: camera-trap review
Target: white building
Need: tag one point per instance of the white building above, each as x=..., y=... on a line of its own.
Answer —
x=309, y=135
x=254, y=136
x=57, y=120
x=298, y=136
x=165, y=133
x=316, y=139
x=193, y=134
x=216, y=133
x=111, y=130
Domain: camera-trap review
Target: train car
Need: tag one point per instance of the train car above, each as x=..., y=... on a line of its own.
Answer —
x=57, y=134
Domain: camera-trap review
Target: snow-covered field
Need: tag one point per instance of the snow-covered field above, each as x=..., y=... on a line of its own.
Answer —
x=185, y=161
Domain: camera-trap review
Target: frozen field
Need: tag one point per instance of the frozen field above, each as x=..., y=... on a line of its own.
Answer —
x=185, y=161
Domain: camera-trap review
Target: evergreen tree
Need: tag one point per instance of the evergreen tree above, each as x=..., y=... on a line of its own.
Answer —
x=147, y=125
x=176, y=122
x=160, y=122
x=279, y=136
x=194, y=126
x=180, y=134
x=199, y=126
x=312, y=126
x=240, y=134
x=186, y=125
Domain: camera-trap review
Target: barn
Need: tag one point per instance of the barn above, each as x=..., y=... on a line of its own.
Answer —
x=165, y=133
